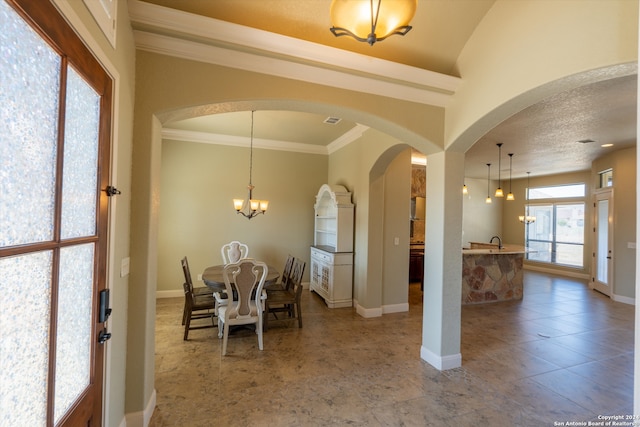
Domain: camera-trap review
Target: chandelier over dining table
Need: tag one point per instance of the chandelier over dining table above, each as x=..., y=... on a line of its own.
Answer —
x=250, y=207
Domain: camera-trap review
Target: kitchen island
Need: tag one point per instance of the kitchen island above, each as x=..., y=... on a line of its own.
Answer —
x=492, y=273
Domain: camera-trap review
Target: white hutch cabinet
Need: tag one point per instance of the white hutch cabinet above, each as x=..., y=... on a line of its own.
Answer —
x=332, y=250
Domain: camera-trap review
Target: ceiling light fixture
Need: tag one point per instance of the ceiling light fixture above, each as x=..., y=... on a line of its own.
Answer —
x=250, y=207
x=465, y=189
x=371, y=22
x=488, y=199
x=499, y=192
x=510, y=196
x=527, y=219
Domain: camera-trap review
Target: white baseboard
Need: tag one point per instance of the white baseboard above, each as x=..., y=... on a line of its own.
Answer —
x=170, y=294
x=623, y=299
x=442, y=363
x=367, y=312
x=565, y=273
x=143, y=418
x=395, y=308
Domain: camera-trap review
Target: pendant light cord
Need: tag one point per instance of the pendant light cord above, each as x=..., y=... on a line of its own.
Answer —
x=251, y=152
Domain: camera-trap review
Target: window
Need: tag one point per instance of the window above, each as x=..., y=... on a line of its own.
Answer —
x=606, y=178
x=557, y=192
x=557, y=235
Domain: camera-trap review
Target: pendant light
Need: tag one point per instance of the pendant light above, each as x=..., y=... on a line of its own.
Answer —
x=488, y=199
x=527, y=219
x=371, y=20
x=510, y=195
x=499, y=192
x=250, y=207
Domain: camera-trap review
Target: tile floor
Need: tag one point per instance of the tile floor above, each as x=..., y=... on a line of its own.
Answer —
x=563, y=353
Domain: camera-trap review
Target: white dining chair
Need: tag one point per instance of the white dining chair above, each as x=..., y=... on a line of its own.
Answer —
x=247, y=278
x=234, y=251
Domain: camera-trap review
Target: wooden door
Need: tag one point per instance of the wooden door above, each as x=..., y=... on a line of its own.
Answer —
x=55, y=115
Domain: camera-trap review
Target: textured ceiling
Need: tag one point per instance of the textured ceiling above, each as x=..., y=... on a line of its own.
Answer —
x=542, y=137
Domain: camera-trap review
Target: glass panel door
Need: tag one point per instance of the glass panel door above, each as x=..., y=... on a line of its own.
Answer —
x=602, y=275
x=54, y=160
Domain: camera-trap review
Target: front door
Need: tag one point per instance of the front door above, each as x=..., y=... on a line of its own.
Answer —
x=603, y=241
x=55, y=119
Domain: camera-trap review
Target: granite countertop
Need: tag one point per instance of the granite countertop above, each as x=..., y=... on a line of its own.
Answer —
x=493, y=249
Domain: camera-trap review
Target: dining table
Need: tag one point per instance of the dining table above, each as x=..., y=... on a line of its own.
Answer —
x=213, y=277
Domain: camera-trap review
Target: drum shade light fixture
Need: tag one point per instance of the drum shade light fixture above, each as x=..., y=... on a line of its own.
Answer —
x=250, y=207
x=371, y=20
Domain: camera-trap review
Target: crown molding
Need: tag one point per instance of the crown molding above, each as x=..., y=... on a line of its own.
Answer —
x=241, y=141
x=267, y=144
x=282, y=56
x=347, y=138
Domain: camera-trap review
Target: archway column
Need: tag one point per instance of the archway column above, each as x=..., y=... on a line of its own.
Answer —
x=443, y=261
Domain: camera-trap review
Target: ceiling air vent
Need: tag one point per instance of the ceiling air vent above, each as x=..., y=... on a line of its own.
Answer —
x=586, y=141
x=332, y=120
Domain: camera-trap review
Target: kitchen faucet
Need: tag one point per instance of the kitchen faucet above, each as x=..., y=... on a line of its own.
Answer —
x=499, y=241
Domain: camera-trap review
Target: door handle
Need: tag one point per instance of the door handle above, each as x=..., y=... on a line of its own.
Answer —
x=104, y=336
x=608, y=257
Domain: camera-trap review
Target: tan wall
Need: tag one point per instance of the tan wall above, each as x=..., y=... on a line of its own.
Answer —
x=397, y=209
x=481, y=221
x=198, y=183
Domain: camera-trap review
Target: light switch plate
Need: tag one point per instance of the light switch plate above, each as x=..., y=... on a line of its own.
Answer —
x=124, y=267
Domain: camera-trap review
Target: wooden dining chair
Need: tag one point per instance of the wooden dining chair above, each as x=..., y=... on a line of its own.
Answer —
x=286, y=301
x=285, y=277
x=197, y=307
x=247, y=278
x=234, y=251
x=200, y=290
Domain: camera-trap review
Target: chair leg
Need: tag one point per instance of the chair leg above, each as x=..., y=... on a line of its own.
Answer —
x=225, y=336
x=184, y=313
x=299, y=314
x=265, y=315
x=259, y=332
x=187, y=322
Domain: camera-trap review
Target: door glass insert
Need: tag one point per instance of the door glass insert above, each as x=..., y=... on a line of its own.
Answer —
x=603, y=240
x=30, y=81
x=80, y=158
x=24, y=338
x=73, y=338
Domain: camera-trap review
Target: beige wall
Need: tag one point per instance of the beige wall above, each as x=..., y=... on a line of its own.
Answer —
x=481, y=221
x=397, y=209
x=198, y=183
